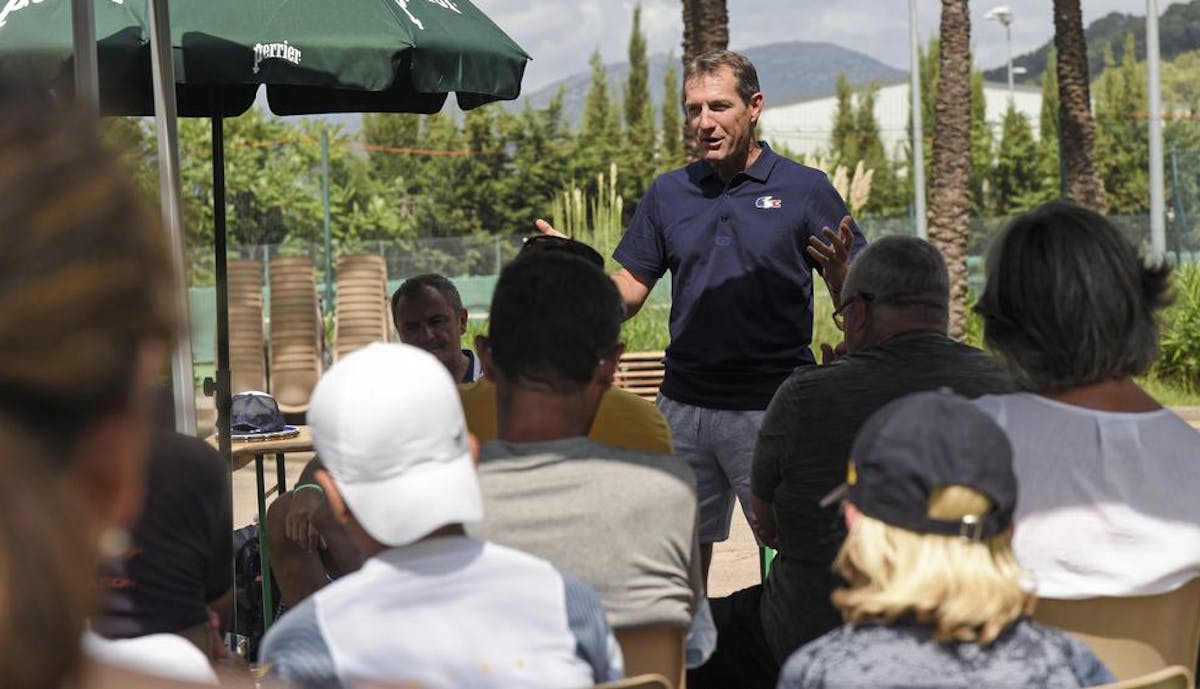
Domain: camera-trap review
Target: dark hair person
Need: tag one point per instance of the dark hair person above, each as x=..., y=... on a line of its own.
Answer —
x=1107, y=475
x=85, y=320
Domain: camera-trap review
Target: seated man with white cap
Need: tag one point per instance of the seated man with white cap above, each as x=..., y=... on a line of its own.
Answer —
x=430, y=607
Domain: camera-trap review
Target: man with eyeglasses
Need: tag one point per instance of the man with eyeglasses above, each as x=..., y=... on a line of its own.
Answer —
x=894, y=313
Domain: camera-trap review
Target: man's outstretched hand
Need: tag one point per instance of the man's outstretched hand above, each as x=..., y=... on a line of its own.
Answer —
x=546, y=228
x=833, y=257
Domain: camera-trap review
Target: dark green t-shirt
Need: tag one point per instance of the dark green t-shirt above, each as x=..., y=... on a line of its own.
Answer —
x=802, y=452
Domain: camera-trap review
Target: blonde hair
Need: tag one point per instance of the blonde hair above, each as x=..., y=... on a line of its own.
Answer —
x=965, y=590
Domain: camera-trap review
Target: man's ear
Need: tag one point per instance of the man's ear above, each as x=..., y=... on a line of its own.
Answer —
x=606, y=370
x=483, y=351
x=336, y=504
x=473, y=447
x=463, y=320
x=756, y=107
x=857, y=320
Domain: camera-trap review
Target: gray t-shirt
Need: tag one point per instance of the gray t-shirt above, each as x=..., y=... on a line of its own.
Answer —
x=905, y=656
x=622, y=521
x=802, y=451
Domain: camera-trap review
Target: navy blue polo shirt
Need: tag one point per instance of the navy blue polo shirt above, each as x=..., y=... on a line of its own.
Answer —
x=741, y=280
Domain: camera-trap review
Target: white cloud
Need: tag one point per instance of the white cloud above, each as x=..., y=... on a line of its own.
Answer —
x=561, y=34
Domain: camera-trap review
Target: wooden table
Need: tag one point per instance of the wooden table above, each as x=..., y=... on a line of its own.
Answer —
x=242, y=452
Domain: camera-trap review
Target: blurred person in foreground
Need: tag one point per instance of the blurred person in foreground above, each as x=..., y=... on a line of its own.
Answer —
x=1108, y=477
x=176, y=579
x=894, y=313
x=86, y=320
x=623, y=521
x=933, y=593
x=430, y=607
x=623, y=419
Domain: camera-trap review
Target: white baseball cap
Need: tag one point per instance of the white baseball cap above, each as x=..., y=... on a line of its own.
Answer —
x=388, y=425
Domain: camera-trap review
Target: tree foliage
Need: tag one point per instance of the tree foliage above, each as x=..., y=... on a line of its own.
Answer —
x=638, y=166
x=1122, y=140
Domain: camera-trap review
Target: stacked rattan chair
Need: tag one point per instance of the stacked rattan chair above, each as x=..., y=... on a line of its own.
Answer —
x=247, y=353
x=297, y=333
x=361, y=305
x=641, y=373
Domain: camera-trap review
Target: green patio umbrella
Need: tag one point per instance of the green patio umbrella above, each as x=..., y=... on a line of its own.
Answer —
x=36, y=44
x=318, y=56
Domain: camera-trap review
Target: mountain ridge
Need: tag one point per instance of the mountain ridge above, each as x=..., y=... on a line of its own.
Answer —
x=780, y=72
x=1178, y=30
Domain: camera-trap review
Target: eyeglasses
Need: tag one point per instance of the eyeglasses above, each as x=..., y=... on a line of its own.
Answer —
x=839, y=316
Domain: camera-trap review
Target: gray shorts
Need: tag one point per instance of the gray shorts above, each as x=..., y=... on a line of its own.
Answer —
x=719, y=446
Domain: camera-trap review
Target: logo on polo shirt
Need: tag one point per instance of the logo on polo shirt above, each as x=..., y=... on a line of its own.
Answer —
x=768, y=202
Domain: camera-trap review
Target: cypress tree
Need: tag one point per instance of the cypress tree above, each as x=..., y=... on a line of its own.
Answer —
x=670, y=151
x=638, y=160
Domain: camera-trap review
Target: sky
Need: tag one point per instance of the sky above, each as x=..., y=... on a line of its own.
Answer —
x=561, y=34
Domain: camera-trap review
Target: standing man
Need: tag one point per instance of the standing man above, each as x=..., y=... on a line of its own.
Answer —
x=741, y=231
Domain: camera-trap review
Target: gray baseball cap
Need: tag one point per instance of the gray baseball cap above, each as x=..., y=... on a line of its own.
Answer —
x=917, y=444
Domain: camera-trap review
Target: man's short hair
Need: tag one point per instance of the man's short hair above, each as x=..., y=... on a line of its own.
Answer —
x=549, y=242
x=713, y=61
x=554, y=316
x=413, y=287
x=1068, y=301
x=901, y=272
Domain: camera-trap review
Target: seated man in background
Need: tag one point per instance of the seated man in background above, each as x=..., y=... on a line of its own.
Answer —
x=430, y=607
x=428, y=313
x=623, y=521
x=622, y=420
x=894, y=312
x=309, y=547
x=176, y=578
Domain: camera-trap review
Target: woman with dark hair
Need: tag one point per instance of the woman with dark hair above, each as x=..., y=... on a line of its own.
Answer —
x=86, y=319
x=1108, y=477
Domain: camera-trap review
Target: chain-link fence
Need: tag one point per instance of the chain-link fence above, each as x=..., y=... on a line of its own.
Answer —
x=473, y=263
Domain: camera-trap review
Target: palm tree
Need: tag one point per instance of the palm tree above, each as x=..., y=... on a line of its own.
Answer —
x=950, y=169
x=1077, y=128
x=705, y=28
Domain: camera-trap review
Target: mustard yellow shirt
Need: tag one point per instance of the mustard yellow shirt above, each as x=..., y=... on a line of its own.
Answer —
x=623, y=420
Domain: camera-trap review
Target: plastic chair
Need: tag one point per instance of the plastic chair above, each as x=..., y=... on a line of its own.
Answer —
x=654, y=650
x=639, y=682
x=1174, y=677
x=1133, y=635
x=361, y=304
x=297, y=333
x=247, y=356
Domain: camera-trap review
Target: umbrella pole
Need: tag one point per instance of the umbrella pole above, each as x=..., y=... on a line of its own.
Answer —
x=222, y=372
x=182, y=375
x=83, y=32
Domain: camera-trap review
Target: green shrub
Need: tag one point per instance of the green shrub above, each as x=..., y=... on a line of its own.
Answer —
x=1179, y=359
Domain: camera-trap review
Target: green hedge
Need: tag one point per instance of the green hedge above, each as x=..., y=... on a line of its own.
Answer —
x=1179, y=359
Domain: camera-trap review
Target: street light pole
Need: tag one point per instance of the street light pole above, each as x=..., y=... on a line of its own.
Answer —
x=1004, y=15
x=918, y=129
x=1158, y=222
